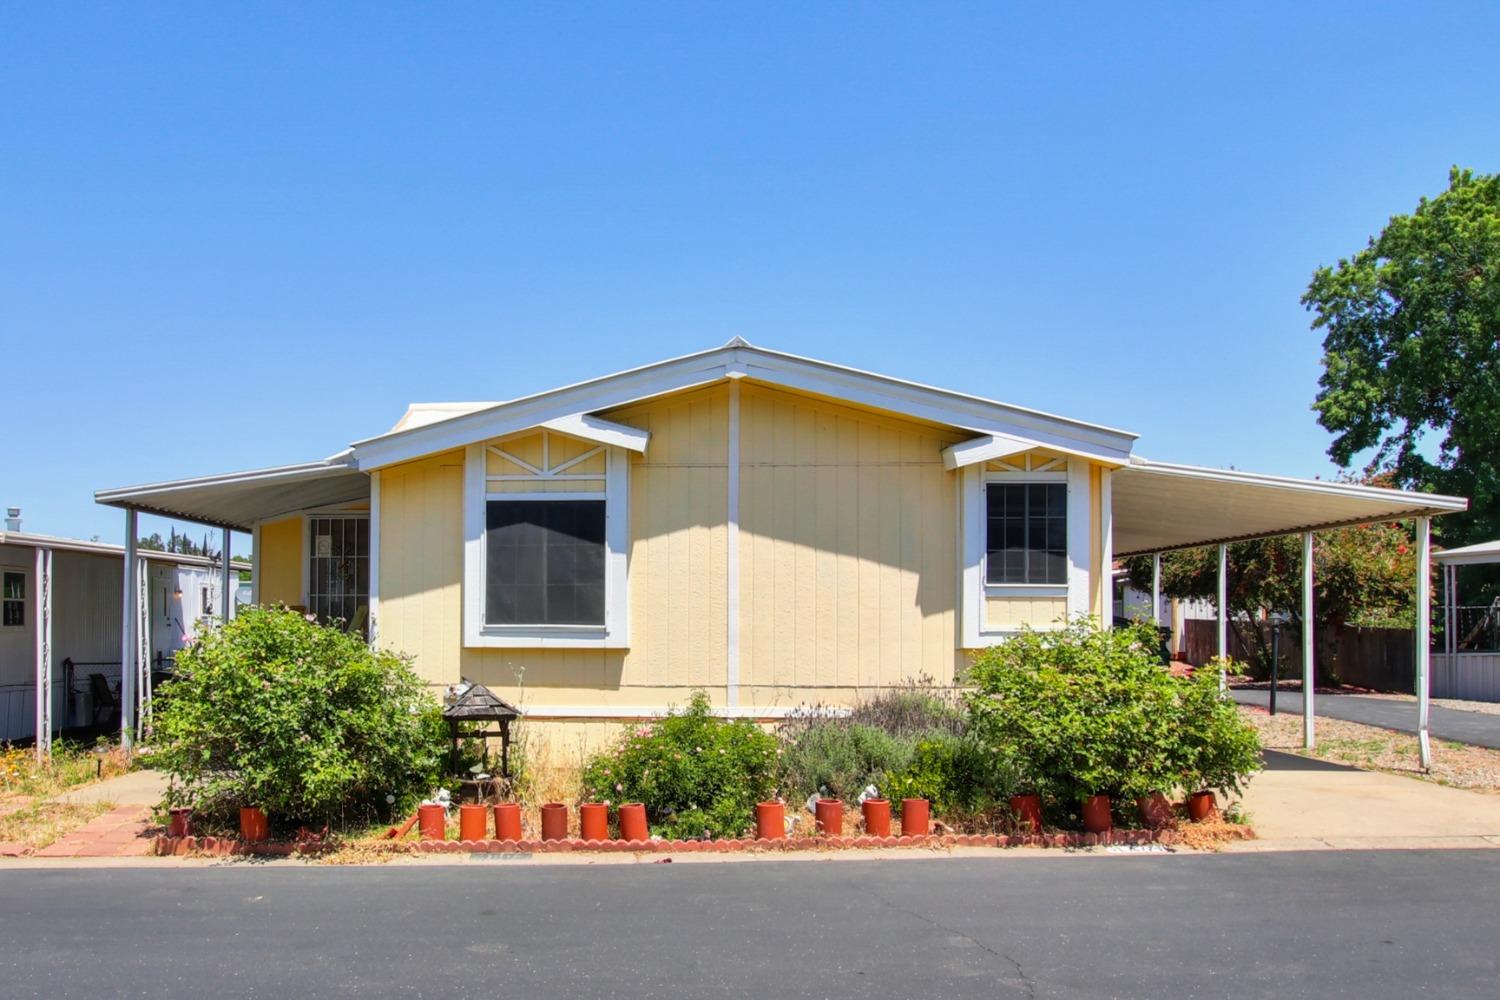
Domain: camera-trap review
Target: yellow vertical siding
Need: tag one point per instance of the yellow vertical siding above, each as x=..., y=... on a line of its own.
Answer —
x=848, y=577
x=1014, y=612
x=280, y=558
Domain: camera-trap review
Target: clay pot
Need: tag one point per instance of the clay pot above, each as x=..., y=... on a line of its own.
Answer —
x=633, y=822
x=1156, y=811
x=508, y=821
x=877, y=814
x=830, y=815
x=593, y=821
x=1096, y=814
x=916, y=816
x=1200, y=806
x=770, y=821
x=181, y=824
x=432, y=822
x=554, y=821
x=253, y=823
x=1028, y=812
x=473, y=821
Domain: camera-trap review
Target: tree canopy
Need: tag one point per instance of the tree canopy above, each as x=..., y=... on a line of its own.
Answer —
x=1411, y=352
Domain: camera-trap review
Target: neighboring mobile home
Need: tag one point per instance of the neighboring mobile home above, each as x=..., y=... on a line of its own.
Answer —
x=178, y=592
x=775, y=530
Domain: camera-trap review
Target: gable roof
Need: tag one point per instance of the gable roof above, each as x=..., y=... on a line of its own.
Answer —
x=428, y=429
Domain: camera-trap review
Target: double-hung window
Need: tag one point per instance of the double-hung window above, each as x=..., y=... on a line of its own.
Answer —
x=12, y=599
x=1026, y=533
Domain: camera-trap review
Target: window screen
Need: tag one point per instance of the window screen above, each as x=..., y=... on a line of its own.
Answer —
x=1027, y=533
x=544, y=562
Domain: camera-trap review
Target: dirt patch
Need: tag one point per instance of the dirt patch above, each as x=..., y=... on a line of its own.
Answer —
x=40, y=823
x=1372, y=748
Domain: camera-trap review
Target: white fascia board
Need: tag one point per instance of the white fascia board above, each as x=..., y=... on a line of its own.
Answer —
x=121, y=496
x=941, y=406
x=1416, y=502
x=600, y=431
x=984, y=449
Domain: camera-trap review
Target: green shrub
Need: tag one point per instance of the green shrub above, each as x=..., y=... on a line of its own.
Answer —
x=304, y=721
x=696, y=774
x=838, y=755
x=962, y=777
x=1219, y=750
x=1084, y=710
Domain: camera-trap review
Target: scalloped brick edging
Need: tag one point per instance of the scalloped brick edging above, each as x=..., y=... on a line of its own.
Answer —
x=222, y=846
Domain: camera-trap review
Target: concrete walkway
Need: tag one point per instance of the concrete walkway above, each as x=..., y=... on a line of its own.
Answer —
x=1298, y=803
x=1476, y=728
x=137, y=788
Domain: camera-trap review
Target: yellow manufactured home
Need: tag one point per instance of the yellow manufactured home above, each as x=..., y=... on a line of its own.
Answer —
x=777, y=531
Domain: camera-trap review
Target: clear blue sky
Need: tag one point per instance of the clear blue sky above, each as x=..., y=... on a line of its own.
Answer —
x=230, y=240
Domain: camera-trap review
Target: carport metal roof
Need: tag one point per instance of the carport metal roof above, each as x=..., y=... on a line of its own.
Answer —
x=1158, y=506
x=236, y=500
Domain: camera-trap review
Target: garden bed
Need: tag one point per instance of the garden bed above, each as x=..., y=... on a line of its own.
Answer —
x=224, y=846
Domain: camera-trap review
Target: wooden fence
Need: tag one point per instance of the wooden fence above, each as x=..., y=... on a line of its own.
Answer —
x=1383, y=659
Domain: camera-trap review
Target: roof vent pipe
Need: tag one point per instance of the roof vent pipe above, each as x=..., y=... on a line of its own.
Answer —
x=12, y=519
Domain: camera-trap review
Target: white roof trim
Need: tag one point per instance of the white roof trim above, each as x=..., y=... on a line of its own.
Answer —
x=29, y=540
x=1431, y=503
x=1483, y=553
x=942, y=406
x=600, y=431
x=984, y=449
x=122, y=495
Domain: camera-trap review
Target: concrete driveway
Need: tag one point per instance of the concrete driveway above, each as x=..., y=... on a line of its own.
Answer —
x=1476, y=728
x=1298, y=803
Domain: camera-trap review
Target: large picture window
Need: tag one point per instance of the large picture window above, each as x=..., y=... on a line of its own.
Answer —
x=1027, y=533
x=544, y=562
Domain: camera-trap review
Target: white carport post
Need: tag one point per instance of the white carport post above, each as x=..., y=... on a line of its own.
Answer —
x=226, y=598
x=1308, y=674
x=1156, y=588
x=1223, y=614
x=1423, y=630
x=43, y=631
x=128, y=625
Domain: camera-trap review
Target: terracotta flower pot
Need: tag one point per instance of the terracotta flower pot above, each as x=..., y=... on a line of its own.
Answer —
x=916, y=817
x=830, y=815
x=181, y=824
x=633, y=822
x=432, y=822
x=1096, y=814
x=253, y=823
x=1156, y=811
x=554, y=821
x=473, y=821
x=1028, y=812
x=1200, y=806
x=508, y=821
x=593, y=821
x=877, y=814
x=770, y=821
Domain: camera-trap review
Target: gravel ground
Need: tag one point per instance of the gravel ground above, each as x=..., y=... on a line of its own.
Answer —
x=1456, y=764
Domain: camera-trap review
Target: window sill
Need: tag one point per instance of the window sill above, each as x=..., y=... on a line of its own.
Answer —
x=546, y=637
x=1025, y=590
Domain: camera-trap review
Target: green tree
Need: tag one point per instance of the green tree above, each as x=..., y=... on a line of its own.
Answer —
x=1411, y=351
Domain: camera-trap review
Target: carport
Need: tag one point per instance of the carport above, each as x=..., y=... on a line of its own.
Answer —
x=1161, y=507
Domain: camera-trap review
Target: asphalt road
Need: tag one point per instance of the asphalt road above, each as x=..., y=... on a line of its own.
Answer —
x=1318, y=925
x=1478, y=728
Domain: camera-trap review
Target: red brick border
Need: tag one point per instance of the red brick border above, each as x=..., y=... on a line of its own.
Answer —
x=223, y=846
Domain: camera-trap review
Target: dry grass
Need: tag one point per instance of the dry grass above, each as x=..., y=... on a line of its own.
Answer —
x=41, y=822
x=1376, y=749
x=23, y=777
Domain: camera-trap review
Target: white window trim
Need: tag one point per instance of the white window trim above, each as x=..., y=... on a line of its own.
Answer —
x=27, y=600
x=615, y=632
x=974, y=633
